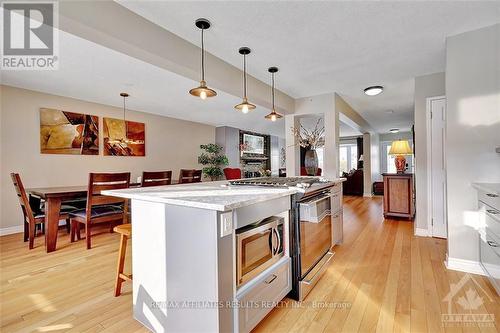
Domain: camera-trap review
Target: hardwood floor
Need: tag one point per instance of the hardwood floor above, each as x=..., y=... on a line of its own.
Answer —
x=382, y=279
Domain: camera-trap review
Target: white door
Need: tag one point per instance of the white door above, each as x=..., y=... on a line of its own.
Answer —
x=438, y=167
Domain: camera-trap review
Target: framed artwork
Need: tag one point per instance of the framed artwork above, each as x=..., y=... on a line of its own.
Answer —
x=253, y=144
x=123, y=138
x=63, y=132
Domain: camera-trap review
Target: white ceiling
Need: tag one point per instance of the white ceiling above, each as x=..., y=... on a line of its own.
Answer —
x=91, y=72
x=325, y=46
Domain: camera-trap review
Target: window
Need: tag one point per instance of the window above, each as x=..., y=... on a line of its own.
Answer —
x=387, y=161
x=348, y=158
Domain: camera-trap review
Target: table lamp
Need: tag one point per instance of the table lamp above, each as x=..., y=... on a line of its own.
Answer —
x=400, y=148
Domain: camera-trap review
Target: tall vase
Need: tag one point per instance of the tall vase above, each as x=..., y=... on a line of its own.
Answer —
x=311, y=162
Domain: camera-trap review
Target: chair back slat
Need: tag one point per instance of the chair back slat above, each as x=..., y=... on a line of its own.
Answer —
x=156, y=178
x=23, y=198
x=105, y=181
x=189, y=176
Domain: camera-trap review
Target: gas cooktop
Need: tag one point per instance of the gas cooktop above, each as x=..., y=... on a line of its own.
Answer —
x=302, y=182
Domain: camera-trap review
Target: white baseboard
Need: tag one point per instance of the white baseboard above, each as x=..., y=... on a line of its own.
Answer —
x=422, y=232
x=367, y=195
x=11, y=230
x=461, y=265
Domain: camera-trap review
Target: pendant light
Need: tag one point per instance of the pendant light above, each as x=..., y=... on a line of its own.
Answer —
x=244, y=106
x=273, y=116
x=124, y=139
x=202, y=90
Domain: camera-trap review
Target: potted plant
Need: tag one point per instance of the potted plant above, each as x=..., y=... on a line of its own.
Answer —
x=213, y=160
x=311, y=140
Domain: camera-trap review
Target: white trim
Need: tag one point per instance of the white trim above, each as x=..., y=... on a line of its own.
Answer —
x=462, y=265
x=422, y=232
x=367, y=195
x=11, y=230
x=428, y=129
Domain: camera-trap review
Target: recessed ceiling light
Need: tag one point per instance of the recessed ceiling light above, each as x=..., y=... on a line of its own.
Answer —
x=394, y=130
x=373, y=90
x=390, y=111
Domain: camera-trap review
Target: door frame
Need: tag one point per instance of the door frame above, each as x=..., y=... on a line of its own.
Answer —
x=430, y=227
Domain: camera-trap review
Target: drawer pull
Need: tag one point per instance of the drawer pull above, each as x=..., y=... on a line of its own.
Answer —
x=269, y=281
x=493, y=211
x=492, y=244
x=492, y=195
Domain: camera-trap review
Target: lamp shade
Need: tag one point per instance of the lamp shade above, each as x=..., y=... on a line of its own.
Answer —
x=361, y=159
x=400, y=147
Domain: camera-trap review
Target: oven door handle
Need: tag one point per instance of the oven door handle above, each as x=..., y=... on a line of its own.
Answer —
x=324, y=196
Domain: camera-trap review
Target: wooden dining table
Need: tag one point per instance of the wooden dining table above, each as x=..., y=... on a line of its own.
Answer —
x=54, y=197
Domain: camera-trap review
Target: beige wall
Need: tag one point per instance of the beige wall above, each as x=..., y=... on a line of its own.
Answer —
x=472, y=131
x=425, y=86
x=171, y=144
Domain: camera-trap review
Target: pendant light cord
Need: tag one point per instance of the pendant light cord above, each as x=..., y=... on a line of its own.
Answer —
x=124, y=108
x=273, y=90
x=245, y=75
x=202, y=57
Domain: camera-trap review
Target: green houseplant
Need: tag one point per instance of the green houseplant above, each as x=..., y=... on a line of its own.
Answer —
x=213, y=160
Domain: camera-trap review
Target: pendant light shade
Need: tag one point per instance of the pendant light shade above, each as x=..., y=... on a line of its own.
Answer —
x=244, y=106
x=273, y=116
x=202, y=90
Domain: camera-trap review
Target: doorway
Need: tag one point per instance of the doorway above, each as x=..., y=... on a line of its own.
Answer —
x=436, y=166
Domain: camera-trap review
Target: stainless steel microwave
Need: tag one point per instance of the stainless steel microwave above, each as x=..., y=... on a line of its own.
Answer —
x=259, y=245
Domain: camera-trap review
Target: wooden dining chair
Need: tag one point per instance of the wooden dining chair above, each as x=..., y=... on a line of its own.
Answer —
x=156, y=178
x=101, y=208
x=33, y=215
x=189, y=176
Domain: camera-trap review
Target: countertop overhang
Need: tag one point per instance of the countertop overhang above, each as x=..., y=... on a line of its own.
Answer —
x=216, y=195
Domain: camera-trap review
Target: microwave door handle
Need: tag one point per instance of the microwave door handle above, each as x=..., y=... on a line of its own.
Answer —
x=272, y=242
x=278, y=237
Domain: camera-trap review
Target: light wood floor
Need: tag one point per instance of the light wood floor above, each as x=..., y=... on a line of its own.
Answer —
x=382, y=279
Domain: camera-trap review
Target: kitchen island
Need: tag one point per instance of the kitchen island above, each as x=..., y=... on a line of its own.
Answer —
x=184, y=255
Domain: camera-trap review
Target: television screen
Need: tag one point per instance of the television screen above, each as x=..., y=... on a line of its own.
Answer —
x=254, y=144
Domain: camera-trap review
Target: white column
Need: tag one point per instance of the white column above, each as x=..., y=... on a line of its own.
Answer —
x=292, y=148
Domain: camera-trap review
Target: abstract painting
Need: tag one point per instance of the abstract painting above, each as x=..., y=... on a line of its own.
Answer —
x=123, y=138
x=63, y=132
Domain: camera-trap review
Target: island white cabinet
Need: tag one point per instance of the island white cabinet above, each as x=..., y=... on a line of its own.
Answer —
x=489, y=231
x=184, y=258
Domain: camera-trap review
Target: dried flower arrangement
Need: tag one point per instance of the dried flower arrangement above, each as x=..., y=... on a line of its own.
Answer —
x=310, y=139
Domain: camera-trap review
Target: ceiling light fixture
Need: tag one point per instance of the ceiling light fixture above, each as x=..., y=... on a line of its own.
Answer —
x=202, y=90
x=394, y=130
x=273, y=116
x=244, y=106
x=373, y=90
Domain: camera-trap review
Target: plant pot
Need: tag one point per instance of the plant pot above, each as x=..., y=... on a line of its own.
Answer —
x=311, y=162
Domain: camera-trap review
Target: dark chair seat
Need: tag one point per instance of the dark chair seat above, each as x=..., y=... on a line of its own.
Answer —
x=97, y=211
x=65, y=209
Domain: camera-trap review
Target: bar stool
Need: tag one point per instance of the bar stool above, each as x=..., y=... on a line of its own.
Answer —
x=125, y=231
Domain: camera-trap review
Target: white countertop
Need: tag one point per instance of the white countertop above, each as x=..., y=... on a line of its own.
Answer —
x=207, y=195
x=493, y=188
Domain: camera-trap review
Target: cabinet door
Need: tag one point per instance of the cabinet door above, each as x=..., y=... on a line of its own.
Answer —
x=399, y=195
x=490, y=257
